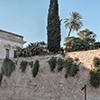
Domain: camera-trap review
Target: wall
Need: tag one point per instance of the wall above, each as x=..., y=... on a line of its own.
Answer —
x=13, y=45
x=49, y=85
x=86, y=57
x=9, y=41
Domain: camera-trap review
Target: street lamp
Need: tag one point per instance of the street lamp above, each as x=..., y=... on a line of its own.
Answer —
x=84, y=88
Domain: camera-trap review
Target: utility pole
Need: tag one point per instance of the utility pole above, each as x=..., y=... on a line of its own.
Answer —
x=84, y=88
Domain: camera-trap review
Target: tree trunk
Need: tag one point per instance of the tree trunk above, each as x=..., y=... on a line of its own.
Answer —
x=69, y=32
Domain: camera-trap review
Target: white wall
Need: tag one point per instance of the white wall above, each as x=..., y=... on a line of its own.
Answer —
x=12, y=44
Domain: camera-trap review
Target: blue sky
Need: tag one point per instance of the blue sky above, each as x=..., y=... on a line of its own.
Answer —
x=29, y=17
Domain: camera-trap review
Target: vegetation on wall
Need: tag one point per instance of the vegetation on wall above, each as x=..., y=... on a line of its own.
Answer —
x=60, y=64
x=31, y=64
x=71, y=67
x=96, y=62
x=95, y=73
x=35, y=68
x=74, y=70
x=95, y=77
x=52, y=63
x=8, y=67
x=53, y=27
x=76, y=59
x=23, y=65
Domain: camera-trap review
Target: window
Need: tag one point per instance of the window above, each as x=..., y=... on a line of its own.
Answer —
x=15, y=54
x=7, y=53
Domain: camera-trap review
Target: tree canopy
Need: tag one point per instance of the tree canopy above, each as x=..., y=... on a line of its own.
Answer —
x=74, y=23
x=53, y=27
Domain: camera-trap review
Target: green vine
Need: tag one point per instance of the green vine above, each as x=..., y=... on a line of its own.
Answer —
x=71, y=67
x=8, y=67
x=23, y=65
x=31, y=64
x=52, y=62
x=35, y=68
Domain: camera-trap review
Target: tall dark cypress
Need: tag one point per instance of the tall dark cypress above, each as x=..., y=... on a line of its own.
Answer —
x=53, y=28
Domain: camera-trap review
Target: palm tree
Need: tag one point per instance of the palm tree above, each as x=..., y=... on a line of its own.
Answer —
x=74, y=23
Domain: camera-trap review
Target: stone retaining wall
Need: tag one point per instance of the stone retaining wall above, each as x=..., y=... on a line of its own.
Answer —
x=86, y=57
x=49, y=85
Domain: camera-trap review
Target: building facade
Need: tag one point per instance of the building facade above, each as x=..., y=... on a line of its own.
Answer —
x=9, y=42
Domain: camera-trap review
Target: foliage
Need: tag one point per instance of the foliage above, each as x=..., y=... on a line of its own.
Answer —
x=87, y=35
x=53, y=27
x=96, y=62
x=8, y=67
x=52, y=63
x=75, y=44
x=37, y=48
x=96, y=45
x=76, y=59
x=85, y=41
x=68, y=64
x=68, y=61
x=95, y=77
x=60, y=64
x=74, y=70
x=95, y=73
x=61, y=51
x=71, y=67
x=31, y=64
x=74, y=23
x=35, y=68
x=23, y=65
x=34, y=48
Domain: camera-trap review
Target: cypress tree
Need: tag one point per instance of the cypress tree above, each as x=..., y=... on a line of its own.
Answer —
x=53, y=28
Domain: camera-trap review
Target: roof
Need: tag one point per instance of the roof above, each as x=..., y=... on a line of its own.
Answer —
x=11, y=33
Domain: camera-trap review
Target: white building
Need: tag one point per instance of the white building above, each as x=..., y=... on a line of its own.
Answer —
x=9, y=43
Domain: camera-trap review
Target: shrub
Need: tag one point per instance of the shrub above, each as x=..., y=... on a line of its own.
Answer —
x=96, y=45
x=23, y=65
x=52, y=63
x=68, y=61
x=96, y=62
x=37, y=48
x=75, y=44
x=8, y=67
x=35, y=68
x=67, y=70
x=84, y=41
x=60, y=63
x=74, y=70
x=95, y=77
x=71, y=68
x=31, y=64
x=76, y=59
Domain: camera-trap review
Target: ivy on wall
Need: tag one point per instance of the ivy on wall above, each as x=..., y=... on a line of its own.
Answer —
x=23, y=65
x=8, y=67
x=95, y=73
x=35, y=68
